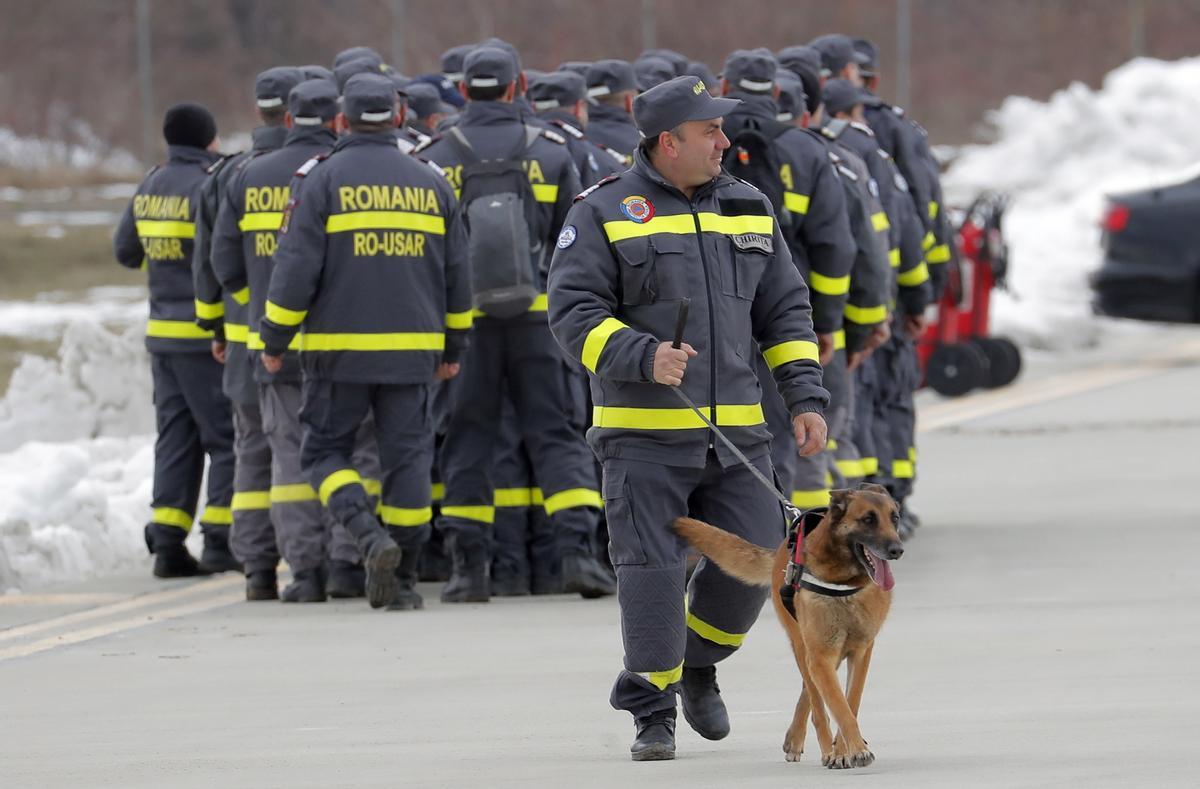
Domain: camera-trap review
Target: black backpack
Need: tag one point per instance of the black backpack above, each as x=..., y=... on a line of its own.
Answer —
x=753, y=157
x=498, y=210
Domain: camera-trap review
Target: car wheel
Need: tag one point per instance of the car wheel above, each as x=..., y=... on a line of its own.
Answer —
x=953, y=370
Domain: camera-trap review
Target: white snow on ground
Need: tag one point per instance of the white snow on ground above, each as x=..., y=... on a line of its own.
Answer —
x=48, y=317
x=79, y=148
x=1058, y=159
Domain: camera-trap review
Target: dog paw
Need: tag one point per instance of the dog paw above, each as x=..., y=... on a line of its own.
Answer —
x=862, y=759
x=793, y=747
x=792, y=755
x=836, y=761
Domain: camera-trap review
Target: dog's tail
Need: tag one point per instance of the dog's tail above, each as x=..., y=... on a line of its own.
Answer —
x=745, y=561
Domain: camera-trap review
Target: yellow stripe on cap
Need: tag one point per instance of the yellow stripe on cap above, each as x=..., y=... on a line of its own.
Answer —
x=386, y=220
x=793, y=351
x=597, y=338
x=713, y=634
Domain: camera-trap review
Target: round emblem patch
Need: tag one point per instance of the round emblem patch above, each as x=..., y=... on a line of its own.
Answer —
x=638, y=209
x=567, y=237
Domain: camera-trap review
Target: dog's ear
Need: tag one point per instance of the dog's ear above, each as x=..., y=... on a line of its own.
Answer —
x=839, y=502
x=871, y=487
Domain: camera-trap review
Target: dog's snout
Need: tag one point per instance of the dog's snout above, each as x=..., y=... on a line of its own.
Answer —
x=895, y=550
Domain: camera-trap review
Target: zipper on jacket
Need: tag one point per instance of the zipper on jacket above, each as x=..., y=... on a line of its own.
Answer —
x=712, y=327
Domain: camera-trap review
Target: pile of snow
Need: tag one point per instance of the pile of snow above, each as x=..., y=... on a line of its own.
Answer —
x=77, y=147
x=50, y=315
x=1057, y=160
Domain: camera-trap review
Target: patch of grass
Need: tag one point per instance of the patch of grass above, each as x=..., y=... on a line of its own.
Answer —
x=82, y=258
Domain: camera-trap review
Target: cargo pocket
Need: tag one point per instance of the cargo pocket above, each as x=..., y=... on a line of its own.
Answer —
x=624, y=540
x=636, y=283
x=745, y=270
x=653, y=269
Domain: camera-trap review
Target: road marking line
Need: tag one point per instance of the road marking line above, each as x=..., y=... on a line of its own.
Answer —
x=121, y=625
x=71, y=598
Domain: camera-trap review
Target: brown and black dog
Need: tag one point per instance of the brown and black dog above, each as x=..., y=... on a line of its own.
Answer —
x=849, y=549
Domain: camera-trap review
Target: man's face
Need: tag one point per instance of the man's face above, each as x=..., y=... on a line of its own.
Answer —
x=699, y=145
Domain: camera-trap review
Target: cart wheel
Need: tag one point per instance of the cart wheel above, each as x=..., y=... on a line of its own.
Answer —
x=954, y=370
x=1004, y=360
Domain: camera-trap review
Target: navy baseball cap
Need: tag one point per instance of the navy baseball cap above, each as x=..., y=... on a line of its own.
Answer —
x=791, y=95
x=836, y=51
x=446, y=88
x=317, y=72
x=677, y=101
x=701, y=70
x=369, y=97
x=357, y=53
x=425, y=100
x=488, y=67
x=452, y=62
x=313, y=102
x=272, y=86
x=557, y=89
x=841, y=96
x=679, y=63
x=751, y=71
x=349, y=68
x=610, y=76
x=580, y=67
x=869, y=62
x=653, y=70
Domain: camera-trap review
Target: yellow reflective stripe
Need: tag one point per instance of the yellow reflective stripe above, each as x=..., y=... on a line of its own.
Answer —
x=255, y=342
x=839, y=340
x=674, y=418
x=459, y=320
x=902, y=469
x=830, y=444
x=512, y=497
x=219, y=516
x=438, y=491
x=793, y=351
x=236, y=332
x=851, y=468
x=715, y=635
x=681, y=224
x=810, y=499
x=176, y=330
x=933, y=209
x=283, y=316
x=479, y=513
x=912, y=454
x=829, y=286
x=879, y=221
x=870, y=466
x=209, y=311
x=252, y=500
x=575, y=497
x=373, y=487
x=596, y=339
x=545, y=193
x=264, y=220
x=541, y=303
x=796, y=202
x=386, y=220
x=916, y=275
x=866, y=315
x=939, y=254
x=170, y=516
x=241, y=296
x=894, y=257
x=292, y=494
x=663, y=679
x=405, y=516
x=928, y=241
x=162, y=229
x=395, y=341
x=336, y=481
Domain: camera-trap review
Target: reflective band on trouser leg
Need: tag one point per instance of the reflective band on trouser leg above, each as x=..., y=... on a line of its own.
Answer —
x=894, y=257
x=852, y=469
x=459, y=320
x=170, y=516
x=437, y=491
x=209, y=312
x=796, y=202
x=283, y=316
x=916, y=275
x=829, y=286
x=577, y=497
x=810, y=499
x=933, y=209
x=253, y=500
x=336, y=481
x=478, y=513
x=373, y=487
x=662, y=679
x=291, y=494
x=675, y=418
x=902, y=468
x=237, y=332
x=596, y=339
x=405, y=516
x=217, y=516
x=513, y=497
x=870, y=466
x=715, y=635
x=793, y=351
x=241, y=296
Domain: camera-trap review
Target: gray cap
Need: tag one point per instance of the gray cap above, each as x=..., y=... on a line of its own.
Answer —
x=488, y=67
x=351, y=67
x=751, y=71
x=499, y=43
x=805, y=62
x=841, y=96
x=580, y=67
x=788, y=57
x=869, y=62
x=272, y=86
x=356, y=53
x=610, y=76
x=317, y=72
x=369, y=97
x=677, y=101
x=425, y=100
x=701, y=70
x=791, y=95
x=653, y=71
x=679, y=63
x=557, y=89
x=836, y=51
x=452, y=62
x=313, y=102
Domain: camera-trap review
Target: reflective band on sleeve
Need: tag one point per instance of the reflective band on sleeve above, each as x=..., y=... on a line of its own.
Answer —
x=894, y=257
x=479, y=514
x=283, y=316
x=939, y=254
x=545, y=193
x=405, y=516
x=928, y=242
x=541, y=303
x=575, y=497
x=933, y=209
x=170, y=516
x=917, y=275
x=236, y=332
x=252, y=500
x=684, y=224
x=662, y=679
x=902, y=469
x=397, y=341
x=866, y=315
x=839, y=340
x=674, y=418
x=870, y=466
x=438, y=491
x=796, y=202
x=241, y=296
x=266, y=220
x=879, y=221
x=209, y=312
x=218, y=516
x=176, y=330
x=596, y=339
x=512, y=497
x=710, y=633
x=162, y=229
x=794, y=351
x=459, y=320
x=831, y=445
x=829, y=286
x=336, y=481
x=386, y=220
x=912, y=454
x=254, y=342
x=809, y=499
x=293, y=494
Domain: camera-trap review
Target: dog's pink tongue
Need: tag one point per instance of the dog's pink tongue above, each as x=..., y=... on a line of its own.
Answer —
x=883, y=574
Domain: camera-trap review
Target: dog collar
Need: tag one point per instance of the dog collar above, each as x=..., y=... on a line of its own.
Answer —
x=814, y=584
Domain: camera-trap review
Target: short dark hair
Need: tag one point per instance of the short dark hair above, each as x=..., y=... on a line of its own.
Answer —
x=368, y=127
x=272, y=116
x=614, y=99
x=492, y=93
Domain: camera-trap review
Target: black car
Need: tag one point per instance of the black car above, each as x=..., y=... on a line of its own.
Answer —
x=1151, y=268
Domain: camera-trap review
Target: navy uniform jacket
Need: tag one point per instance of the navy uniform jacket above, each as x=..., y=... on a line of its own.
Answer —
x=245, y=235
x=157, y=230
x=613, y=127
x=633, y=247
x=593, y=161
x=370, y=267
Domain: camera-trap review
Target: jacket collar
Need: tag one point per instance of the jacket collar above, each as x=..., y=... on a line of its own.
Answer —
x=268, y=138
x=308, y=135
x=354, y=139
x=643, y=167
x=191, y=154
x=756, y=105
x=487, y=113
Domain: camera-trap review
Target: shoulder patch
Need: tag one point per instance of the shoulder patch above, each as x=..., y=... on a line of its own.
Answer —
x=569, y=129
x=432, y=166
x=307, y=167
x=428, y=141
x=406, y=146
x=862, y=127
x=554, y=136
x=846, y=172
x=619, y=157
x=219, y=163
x=898, y=110
x=887, y=157
x=608, y=179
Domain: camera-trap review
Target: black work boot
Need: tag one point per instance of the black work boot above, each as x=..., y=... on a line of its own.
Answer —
x=381, y=556
x=262, y=585
x=434, y=565
x=546, y=583
x=307, y=586
x=585, y=575
x=506, y=583
x=407, y=597
x=655, y=740
x=469, y=579
x=216, y=556
x=702, y=705
x=171, y=557
x=345, y=580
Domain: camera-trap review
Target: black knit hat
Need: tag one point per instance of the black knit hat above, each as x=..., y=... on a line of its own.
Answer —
x=189, y=124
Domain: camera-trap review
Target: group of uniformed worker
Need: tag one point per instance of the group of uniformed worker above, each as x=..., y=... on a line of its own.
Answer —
x=416, y=324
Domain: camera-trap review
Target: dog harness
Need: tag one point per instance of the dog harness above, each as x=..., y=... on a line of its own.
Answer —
x=796, y=576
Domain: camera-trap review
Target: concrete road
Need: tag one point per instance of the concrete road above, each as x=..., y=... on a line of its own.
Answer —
x=1044, y=634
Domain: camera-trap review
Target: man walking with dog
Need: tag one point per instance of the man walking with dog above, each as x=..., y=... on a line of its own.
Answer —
x=635, y=250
